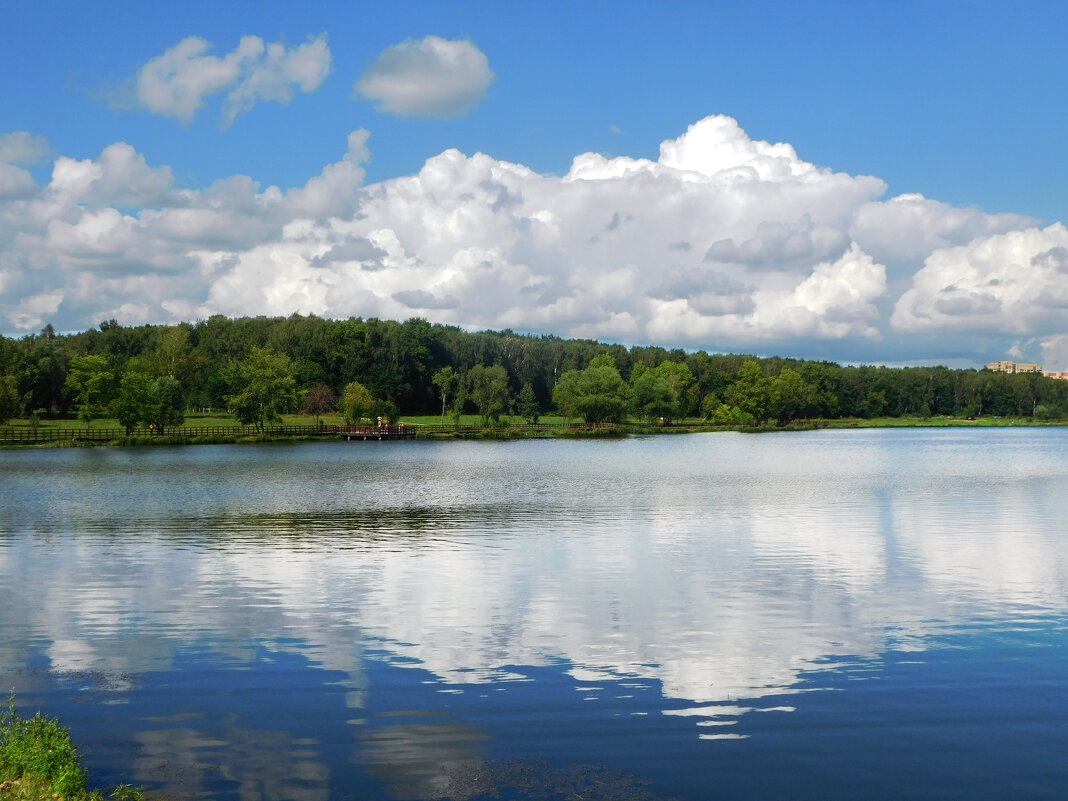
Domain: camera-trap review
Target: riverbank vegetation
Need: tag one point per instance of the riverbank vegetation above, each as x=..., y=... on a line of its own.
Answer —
x=39, y=762
x=260, y=371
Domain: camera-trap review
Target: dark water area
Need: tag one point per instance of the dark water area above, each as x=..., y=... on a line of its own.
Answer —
x=819, y=615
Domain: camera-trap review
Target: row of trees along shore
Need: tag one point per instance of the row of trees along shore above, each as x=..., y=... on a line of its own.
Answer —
x=257, y=368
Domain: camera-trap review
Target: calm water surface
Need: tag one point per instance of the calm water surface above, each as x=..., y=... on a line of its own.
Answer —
x=821, y=615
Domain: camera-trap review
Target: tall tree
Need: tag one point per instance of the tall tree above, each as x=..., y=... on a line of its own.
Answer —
x=265, y=387
x=487, y=388
x=168, y=403
x=597, y=394
x=318, y=400
x=91, y=384
x=42, y=372
x=680, y=379
x=528, y=404
x=751, y=393
x=652, y=398
x=9, y=398
x=173, y=355
x=445, y=380
x=356, y=403
x=791, y=397
x=131, y=405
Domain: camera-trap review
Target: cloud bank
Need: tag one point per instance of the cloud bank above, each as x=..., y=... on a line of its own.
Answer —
x=177, y=82
x=434, y=77
x=723, y=242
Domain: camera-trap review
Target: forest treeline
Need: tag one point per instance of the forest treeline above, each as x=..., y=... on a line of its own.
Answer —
x=258, y=367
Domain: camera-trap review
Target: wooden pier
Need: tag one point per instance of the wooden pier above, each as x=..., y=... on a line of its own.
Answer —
x=377, y=432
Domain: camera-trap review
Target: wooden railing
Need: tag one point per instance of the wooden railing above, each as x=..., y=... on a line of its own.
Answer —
x=48, y=434
x=42, y=434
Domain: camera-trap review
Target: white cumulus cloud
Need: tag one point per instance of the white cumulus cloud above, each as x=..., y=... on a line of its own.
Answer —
x=433, y=77
x=723, y=242
x=177, y=82
x=1016, y=282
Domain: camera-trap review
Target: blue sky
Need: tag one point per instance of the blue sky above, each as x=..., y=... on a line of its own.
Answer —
x=961, y=103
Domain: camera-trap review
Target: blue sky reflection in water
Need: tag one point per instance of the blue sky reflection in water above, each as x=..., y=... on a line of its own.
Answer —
x=826, y=614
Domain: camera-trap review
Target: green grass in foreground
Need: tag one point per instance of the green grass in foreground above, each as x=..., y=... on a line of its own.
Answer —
x=39, y=762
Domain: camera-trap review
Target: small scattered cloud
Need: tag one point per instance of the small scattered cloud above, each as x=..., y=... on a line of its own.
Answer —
x=616, y=129
x=178, y=82
x=31, y=312
x=278, y=75
x=433, y=77
x=22, y=147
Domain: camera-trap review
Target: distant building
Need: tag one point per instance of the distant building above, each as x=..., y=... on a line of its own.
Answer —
x=1014, y=367
x=1061, y=376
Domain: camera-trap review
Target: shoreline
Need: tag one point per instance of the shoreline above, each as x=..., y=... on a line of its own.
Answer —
x=16, y=437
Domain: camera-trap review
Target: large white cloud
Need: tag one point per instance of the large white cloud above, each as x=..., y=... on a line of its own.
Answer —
x=433, y=77
x=177, y=82
x=723, y=242
x=1015, y=282
x=907, y=228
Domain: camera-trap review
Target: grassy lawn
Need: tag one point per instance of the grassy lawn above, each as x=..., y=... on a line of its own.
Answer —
x=475, y=420
x=938, y=422
x=191, y=419
x=221, y=419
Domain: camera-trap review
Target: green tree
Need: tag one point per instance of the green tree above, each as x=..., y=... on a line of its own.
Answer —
x=874, y=404
x=318, y=400
x=9, y=398
x=725, y=415
x=528, y=404
x=751, y=393
x=652, y=398
x=172, y=355
x=265, y=388
x=445, y=380
x=458, y=404
x=385, y=411
x=91, y=383
x=709, y=404
x=792, y=398
x=168, y=403
x=597, y=394
x=487, y=388
x=356, y=403
x=683, y=386
x=131, y=405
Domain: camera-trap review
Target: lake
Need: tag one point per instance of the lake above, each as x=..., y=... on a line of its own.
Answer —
x=875, y=614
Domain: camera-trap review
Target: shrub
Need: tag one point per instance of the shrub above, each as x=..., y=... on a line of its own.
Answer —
x=39, y=749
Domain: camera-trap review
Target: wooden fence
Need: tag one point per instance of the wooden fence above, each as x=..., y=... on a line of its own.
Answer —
x=402, y=431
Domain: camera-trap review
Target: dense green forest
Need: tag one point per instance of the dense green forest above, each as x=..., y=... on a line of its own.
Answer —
x=259, y=367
